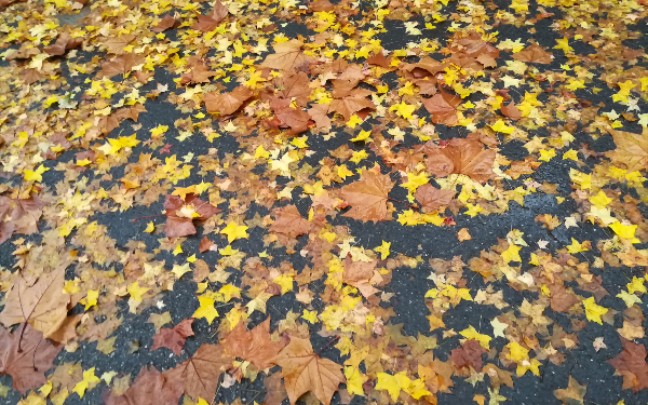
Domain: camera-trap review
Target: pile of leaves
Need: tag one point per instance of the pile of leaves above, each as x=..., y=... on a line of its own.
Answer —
x=323, y=201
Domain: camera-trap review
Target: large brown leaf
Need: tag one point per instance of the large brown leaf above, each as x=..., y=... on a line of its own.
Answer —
x=368, y=196
x=227, y=103
x=26, y=356
x=461, y=156
x=181, y=214
x=287, y=56
x=534, y=54
x=631, y=150
x=255, y=346
x=150, y=387
x=631, y=365
x=173, y=338
x=304, y=371
x=431, y=198
x=288, y=221
x=19, y=216
x=198, y=376
x=121, y=64
x=443, y=108
x=41, y=303
x=347, y=106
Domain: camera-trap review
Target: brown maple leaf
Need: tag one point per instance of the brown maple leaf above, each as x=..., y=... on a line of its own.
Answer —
x=173, y=338
x=166, y=23
x=431, y=198
x=116, y=45
x=19, y=216
x=275, y=390
x=347, y=106
x=287, y=56
x=255, y=346
x=511, y=111
x=574, y=393
x=289, y=222
x=198, y=72
x=63, y=44
x=534, y=54
x=468, y=355
x=443, y=108
x=198, y=376
x=368, y=196
x=295, y=86
x=426, y=67
x=631, y=150
x=632, y=366
x=360, y=275
x=26, y=356
x=120, y=65
x=227, y=103
x=461, y=156
x=296, y=119
x=150, y=387
x=181, y=213
x=319, y=114
x=209, y=22
x=304, y=371
x=40, y=302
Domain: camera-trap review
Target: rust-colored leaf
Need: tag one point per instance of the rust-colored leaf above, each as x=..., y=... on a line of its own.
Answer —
x=304, y=371
x=26, y=356
x=368, y=196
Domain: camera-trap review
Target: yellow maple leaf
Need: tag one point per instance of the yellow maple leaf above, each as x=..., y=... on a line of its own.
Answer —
x=206, y=308
x=383, y=249
x=393, y=384
x=512, y=254
x=362, y=136
x=150, y=227
x=354, y=380
x=89, y=381
x=593, y=311
x=501, y=127
x=403, y=109
x=35, y=175
x=471, y=333
x=576, y=247
x=625, y=232
x=235, y=231
x=90, y=299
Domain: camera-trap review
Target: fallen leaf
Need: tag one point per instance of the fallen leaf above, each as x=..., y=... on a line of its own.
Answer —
x=224, y=104
x=150, y=387
x=255, y=346
x=304, y=371
x=632, y=366
x=26, y=356
x=173, y=338
x=289, y=222
x=198, y=376
x=443, y=108
x=41, y=303
x=368, y=196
